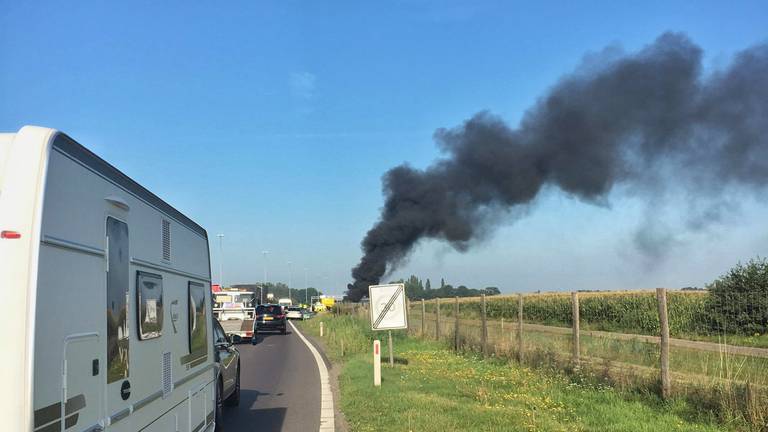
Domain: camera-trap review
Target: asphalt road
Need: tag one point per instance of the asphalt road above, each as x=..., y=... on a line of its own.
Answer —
x=279, y=387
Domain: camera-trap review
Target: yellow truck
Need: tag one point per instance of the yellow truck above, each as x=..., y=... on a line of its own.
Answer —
x=323, y=304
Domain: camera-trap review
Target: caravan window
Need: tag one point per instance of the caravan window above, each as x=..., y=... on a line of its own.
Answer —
x=198, y=334
x=149, y=290
x=117, y=299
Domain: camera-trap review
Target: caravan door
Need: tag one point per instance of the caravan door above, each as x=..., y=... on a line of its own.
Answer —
x=81, y=394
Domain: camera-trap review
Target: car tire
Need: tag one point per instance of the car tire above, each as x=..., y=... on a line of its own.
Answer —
x=234, y=398
x=254, y=338
x=218, y=412
x=283, y=331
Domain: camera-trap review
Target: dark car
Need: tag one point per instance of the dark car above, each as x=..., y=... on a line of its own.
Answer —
x=269, y=317
x=228, y=380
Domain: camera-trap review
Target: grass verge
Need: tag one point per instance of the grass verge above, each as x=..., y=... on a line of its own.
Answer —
x=432, y=389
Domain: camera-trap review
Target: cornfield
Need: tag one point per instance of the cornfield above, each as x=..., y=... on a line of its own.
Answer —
x=690, y=313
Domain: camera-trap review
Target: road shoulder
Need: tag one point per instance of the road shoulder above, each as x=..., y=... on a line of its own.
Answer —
x=334, y=370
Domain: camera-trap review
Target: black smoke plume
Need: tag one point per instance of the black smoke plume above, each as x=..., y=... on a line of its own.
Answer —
x=645, y=120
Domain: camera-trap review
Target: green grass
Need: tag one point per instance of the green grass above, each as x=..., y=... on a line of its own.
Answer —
x=432, y=389
x=700, y=364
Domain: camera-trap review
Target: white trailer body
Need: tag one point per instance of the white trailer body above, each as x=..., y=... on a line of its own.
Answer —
x=235, y=311
x=107, y=322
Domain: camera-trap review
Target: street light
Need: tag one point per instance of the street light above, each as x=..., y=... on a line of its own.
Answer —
x=264, y=285
x=306, y=286
x=289, y=281
x=221, y=259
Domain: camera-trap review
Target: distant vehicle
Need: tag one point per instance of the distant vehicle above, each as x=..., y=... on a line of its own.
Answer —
x=318, y=307
x=235, y=311
x=108, y=324
x=306, y=314
x=269, y=317
x=233, y=305
x=294, y=313
x=228, y=380
x=328, y=302
x=285, y=302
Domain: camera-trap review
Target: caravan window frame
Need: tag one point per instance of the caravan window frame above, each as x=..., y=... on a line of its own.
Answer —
x=141, y=306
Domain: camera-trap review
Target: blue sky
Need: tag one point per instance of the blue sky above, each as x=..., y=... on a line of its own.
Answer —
x=272, y=122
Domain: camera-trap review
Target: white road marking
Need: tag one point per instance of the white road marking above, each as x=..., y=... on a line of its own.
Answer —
x=326, y=397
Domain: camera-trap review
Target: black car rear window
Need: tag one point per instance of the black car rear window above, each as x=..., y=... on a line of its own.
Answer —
x=269, y=310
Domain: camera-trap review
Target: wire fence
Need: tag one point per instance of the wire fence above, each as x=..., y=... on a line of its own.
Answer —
x=711, y=348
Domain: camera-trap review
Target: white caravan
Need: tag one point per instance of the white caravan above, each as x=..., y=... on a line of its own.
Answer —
x=106, y=293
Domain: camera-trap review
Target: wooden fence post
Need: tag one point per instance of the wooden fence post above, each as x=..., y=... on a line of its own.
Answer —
x=423, y=318
x=520, y=327
x=576, y=325
x=485, y=327
x=437, y=318
x=456, y=328
x=666, y=383
x=409, y=330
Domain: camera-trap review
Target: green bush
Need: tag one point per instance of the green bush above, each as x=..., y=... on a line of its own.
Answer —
x=739, y=299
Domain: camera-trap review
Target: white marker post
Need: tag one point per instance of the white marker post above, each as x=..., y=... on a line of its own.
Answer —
x=377, y=363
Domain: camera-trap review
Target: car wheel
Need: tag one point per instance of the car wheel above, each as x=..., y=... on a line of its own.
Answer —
x=253, y=338
x=234, y=398
x=283, y=331
x=218, y=416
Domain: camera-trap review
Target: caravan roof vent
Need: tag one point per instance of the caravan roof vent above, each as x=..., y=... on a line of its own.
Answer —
x=166, y=240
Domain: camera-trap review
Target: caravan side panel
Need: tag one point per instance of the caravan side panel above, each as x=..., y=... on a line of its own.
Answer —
x=109, y=247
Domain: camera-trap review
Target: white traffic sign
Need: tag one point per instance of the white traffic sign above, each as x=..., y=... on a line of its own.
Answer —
x=388, y=307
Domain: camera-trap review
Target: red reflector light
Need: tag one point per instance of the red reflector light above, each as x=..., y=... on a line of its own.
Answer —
x=10, y=235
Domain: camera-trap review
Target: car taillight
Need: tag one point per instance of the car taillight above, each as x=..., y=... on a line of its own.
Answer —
x=279, y=316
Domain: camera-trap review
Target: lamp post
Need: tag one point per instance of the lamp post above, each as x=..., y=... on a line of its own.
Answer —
x=263, y=285
x=289, y=281
x=306, y=286
x=221, y=259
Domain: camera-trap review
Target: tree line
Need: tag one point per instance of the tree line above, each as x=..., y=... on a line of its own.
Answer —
x=417, y=289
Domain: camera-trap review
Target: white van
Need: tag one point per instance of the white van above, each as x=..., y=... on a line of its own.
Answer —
x=106, y=319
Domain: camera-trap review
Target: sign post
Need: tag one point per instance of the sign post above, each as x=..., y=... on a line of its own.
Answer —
x=388, y=307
